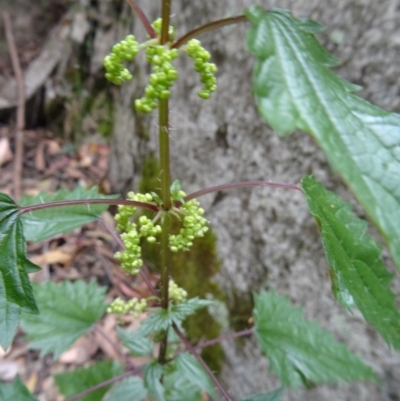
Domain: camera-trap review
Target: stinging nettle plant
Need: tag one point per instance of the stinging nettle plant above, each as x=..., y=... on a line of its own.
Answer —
x=294, y=88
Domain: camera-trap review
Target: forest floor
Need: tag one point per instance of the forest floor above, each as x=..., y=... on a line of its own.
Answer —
x=50, y=163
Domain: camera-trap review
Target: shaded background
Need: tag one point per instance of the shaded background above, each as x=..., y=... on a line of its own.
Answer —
x=265, y=237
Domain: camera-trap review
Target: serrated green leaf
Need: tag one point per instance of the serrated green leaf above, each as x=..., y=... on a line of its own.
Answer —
x=271, y=396
x=187, y=377
x=46, y=223
x=175, y=186
x=15, y=286
x=71, y=383
x=354, y=260
x=153, y=373
x=161, y=319
x=186, y=308
x=16, y=391
x=10, y=316
x=67, y=311
x=136, y=343
x=130, y=389
x=300, y=350
x=295, y=89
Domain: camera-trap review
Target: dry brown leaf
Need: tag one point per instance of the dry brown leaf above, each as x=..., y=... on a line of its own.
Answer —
x=32, y=381
x=52, y=257
x=126, y=290
x=81, y=351
x=16, y=351
x=58, y=165
x=8, y=370
x=53, y=147
x=101, y=234
x=108, y=329
x=5, y=151
x=40, y=161
x=50, y=390
x=87, y=154
x=108, y=219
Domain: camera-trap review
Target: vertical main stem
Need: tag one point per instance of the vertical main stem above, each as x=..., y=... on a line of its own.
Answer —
x=165, y=15
x=163, y=123
x=166, y=223
x=164, y=154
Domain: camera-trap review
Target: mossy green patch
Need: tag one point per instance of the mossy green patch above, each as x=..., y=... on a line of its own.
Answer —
x=240, y=313
x=150, y=181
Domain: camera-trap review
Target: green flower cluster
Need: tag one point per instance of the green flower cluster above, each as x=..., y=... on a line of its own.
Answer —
x=202, y=66
x=148, y=229
x=163, y=73
x=194, y=226
x=130, y=258
x=134, y=306
x=176, y=293
x=161, y=79
x=125, y=50
x=157, y=27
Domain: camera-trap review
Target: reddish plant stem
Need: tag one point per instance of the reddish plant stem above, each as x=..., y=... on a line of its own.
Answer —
x=88, y=202
x=121, y=246
x=142, y=16
x=241, y=184
x=205, y=344
x=115, y=379
x=207, y=28
x=146, y=279
x=199, y=359
x=113, y=233
x=19, y=133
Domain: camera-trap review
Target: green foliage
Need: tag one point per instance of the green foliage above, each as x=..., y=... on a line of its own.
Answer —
x=153, y=373
x=130, y=389
x=299, y=350
x=162, y=319
x=272, y=396
x=186, y=376
x=42, y=224
x=354, y=259
x=67, y=311
x=10, y=315
x=192, y=270
x=16, y=391
x=295, y=89
x=71, y=383
x=15, y=287
x=137, y=344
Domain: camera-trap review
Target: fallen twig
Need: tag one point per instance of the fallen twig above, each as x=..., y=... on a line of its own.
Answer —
x=19, y=134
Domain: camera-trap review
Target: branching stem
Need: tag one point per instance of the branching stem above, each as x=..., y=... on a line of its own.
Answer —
x=117, y=202
x=142, y=16
x=214, y=341
x=199, y=359
x=241, y=184
x=207, y=28
x=115, y=379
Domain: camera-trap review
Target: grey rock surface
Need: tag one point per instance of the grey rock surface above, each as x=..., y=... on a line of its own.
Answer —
x=266, y=237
